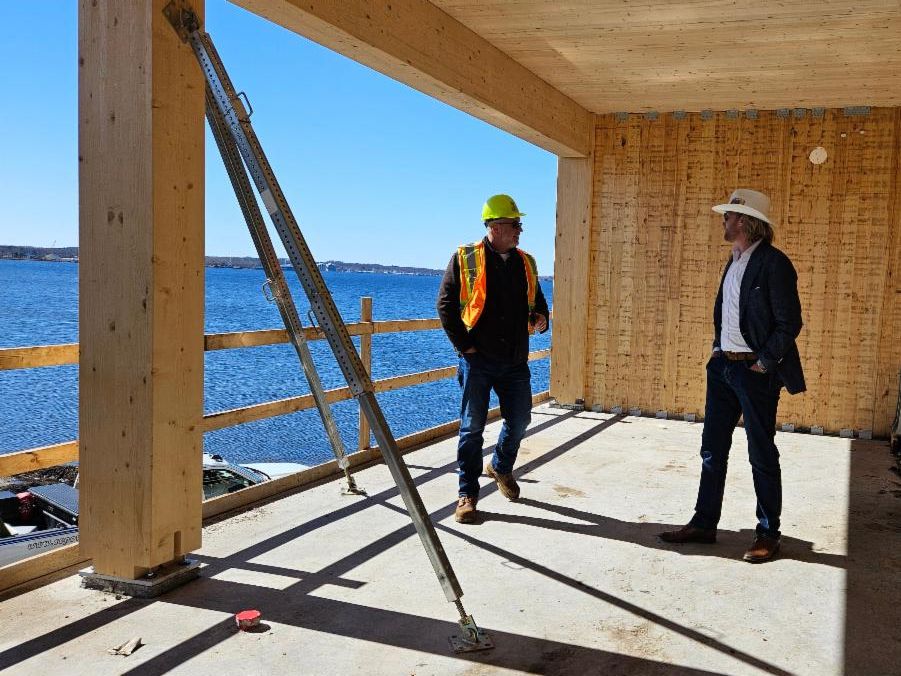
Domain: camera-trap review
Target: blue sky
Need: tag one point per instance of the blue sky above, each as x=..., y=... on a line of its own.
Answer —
x=375, y=171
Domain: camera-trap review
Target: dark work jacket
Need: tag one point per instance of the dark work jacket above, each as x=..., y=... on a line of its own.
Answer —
x=769, y=314
x=502, y=331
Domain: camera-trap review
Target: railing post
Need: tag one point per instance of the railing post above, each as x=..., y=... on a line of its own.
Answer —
x=366, y=358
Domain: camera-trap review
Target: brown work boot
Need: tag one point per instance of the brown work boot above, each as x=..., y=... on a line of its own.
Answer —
x=505, y=482
x=689, y=533
x=764, y=548
x=466, y=509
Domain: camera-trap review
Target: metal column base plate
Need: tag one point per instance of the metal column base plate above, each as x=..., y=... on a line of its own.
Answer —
x=462, y=644
x=165, y=579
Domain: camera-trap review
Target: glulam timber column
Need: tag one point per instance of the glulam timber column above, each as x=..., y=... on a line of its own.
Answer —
x=141, y=175
x=571, y=274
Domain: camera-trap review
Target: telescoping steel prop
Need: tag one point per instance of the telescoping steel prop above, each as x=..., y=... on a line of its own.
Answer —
x=276, y=283
x=236, y=120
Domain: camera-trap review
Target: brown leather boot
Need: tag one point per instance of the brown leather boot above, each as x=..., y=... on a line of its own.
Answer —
x=764, y=548
x=466, y=509
x=505, y=482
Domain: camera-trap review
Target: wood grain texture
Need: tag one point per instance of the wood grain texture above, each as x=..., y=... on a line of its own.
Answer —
x=658, y=255
x=141, y=176
x=38, y=356
x=572, y=253
x=40, y=568
x=417, y=43
x=38, y=458
x=696, y=55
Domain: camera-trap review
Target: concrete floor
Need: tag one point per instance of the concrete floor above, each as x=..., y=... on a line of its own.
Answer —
x=570, y=580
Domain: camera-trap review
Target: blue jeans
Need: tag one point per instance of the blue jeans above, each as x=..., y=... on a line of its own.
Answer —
x=733, y=390
x=477, y=375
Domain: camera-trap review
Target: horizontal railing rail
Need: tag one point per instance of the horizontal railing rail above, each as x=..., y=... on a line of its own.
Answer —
x=48, y=566
x=66, y=354
x=42, y=457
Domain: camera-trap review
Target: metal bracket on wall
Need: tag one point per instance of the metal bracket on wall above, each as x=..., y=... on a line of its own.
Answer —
x=856, y=111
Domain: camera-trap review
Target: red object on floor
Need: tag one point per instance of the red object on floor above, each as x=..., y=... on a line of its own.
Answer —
x=247, y=618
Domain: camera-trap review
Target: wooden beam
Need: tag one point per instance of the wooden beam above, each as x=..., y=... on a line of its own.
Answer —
x=12, y=358
x=38, y=458
x=141, y=117
x=247, y=497
x=417, y=43
x=572, y=260
x=269, y=409
x=40, y=569
x=44, y=568
x=39, y=355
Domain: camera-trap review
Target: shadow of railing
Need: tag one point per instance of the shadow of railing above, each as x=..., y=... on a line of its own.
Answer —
x=869, y=649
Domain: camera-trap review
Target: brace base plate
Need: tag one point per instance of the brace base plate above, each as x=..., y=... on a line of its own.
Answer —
x=460, y=644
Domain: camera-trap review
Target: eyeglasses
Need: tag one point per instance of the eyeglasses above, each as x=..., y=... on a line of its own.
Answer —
x=516, y=225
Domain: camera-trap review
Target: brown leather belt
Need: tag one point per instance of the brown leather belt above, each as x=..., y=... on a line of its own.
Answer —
x=740, y=356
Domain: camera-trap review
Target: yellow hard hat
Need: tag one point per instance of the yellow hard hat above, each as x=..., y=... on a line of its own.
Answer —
x=500, y=206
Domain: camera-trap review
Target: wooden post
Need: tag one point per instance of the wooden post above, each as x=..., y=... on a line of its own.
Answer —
x=141, y=237
x=366, y=357
x=571, y=273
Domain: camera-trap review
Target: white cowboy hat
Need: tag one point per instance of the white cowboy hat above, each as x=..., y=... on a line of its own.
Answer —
x=750, y=202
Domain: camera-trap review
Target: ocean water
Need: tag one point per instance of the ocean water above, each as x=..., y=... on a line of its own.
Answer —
x=39, y=305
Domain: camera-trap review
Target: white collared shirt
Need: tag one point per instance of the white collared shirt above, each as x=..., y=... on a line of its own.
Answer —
x=731, y=339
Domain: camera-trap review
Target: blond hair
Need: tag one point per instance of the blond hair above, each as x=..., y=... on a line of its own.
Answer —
x=757, y=229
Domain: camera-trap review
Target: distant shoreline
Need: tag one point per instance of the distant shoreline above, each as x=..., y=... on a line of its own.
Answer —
x=70, y=255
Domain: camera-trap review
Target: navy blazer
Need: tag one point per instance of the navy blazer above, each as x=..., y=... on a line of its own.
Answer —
x=769, y=313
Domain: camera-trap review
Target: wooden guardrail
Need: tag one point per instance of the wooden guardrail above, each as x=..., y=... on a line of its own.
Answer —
x=44, y=568
x=58, y=355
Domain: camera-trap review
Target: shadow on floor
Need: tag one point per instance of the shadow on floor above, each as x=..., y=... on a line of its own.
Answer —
x=873, y=583
x=298, y=606
x=730, y=544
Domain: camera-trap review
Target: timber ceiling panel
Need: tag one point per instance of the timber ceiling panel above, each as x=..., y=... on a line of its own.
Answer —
x=612, y=56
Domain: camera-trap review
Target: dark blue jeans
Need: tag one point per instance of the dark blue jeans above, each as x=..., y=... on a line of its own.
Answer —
x=477, y=376
x=733, y=390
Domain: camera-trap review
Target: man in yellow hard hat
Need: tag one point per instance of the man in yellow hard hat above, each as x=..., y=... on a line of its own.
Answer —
x=489, y=303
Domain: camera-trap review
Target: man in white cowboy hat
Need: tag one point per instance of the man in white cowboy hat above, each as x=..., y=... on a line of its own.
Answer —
x=756, y=318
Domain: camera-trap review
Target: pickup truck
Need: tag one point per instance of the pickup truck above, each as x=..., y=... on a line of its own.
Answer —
x=43, y=518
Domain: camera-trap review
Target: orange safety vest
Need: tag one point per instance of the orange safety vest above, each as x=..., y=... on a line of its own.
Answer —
x=474, y=286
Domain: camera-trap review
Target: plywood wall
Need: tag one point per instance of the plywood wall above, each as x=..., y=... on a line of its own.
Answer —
x=657, y=255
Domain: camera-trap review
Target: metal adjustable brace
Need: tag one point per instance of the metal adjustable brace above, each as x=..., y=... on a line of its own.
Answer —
x=245, y=160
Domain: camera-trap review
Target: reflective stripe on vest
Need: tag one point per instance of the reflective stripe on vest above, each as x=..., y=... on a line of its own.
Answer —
x=473, y=281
